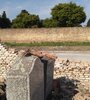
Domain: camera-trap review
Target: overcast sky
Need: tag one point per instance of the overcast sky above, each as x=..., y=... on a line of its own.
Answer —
x=40, y=7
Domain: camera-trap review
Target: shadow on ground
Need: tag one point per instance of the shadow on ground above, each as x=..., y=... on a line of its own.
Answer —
x=64, y=89
x=2, y=91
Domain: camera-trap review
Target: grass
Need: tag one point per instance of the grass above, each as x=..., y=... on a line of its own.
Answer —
x=48, y=44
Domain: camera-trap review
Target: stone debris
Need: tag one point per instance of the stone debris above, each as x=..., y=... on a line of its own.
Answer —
x=76, y=70
x=7, y=58
x=72, y=71
x=10, y=56
x=40, y=54
x=17, y=61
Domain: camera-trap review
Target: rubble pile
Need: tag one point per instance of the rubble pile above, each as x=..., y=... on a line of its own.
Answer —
x=7, y=58
x=78, y=70
x=73, y=79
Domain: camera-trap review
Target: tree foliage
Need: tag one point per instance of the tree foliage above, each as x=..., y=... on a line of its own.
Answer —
x=4, y=21
x=68, y=14
x=62, y=15
x=49, y=23
x=26, y=20
x=88, y=23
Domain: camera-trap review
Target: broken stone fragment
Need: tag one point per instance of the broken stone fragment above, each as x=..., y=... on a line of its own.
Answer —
x=40, y=54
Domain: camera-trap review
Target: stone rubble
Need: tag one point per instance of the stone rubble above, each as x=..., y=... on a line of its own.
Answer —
x=10, y=56
x=77, y=70
x=7, y=58
x=73, y=70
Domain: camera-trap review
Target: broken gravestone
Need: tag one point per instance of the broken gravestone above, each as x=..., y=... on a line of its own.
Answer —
x=30, y=79
x=27, y=77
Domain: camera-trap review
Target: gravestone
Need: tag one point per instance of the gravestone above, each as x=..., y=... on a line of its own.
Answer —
x=48, y=75
x=28, y=77
x=25, y=81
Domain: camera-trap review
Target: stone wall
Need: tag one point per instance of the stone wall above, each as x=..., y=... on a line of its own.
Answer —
x=76, y=70
x=42, y=34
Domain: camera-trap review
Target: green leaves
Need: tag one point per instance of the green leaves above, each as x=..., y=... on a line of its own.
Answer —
x=26, y=20
x=88, y=23
x=4, y=21
x=50, y=23
x=63, y=15
x=68, y=14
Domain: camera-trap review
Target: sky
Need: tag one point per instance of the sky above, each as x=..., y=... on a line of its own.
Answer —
x=39, y=7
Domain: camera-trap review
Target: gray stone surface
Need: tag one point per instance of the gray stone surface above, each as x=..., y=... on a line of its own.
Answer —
x=48, y=75
x=30, y=79
x=21, y=77
x=26, y=77
x=50, y=68
x=37, y=81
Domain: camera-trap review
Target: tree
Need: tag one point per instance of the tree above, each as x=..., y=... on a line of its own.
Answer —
x=88, y=23
x=4, y=21
x=68, y=14
x=26, y=20
x=48, y=22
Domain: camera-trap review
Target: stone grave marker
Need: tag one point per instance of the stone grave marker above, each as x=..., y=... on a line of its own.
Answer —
x=25, y=81
x=27, y=77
